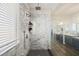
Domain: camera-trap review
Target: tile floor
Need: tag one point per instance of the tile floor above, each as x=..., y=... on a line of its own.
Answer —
x=39, y=53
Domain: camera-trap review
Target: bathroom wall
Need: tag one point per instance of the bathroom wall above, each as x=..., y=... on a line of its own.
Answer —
x=22, y=30
x=41, y=33
x=66, y=14
x=69, y=23
x=14, y=29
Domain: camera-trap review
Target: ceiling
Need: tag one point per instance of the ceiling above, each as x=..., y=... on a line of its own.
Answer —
x=58, y=9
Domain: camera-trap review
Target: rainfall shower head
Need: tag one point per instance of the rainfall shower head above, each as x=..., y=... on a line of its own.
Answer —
x=38, y=7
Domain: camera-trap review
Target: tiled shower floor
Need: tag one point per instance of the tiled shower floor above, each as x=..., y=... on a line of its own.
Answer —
x=39, y=53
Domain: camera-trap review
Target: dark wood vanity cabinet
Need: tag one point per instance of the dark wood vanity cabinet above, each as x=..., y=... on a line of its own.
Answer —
x=72, y=41
x=75, y=43
x=59, y=37
x=70, y=48
x=69, y=40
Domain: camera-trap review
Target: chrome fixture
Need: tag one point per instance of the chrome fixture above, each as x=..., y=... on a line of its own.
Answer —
x=38, y=7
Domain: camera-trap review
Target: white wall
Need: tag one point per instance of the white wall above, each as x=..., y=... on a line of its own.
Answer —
x=69, y=23
x=22, y=25
x=18, y=23
x=41, y=34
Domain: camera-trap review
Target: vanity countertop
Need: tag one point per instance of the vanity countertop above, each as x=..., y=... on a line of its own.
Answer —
x=69, y=34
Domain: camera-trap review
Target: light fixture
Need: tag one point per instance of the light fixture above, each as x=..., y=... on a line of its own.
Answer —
x=38, y=7
x=61, y=23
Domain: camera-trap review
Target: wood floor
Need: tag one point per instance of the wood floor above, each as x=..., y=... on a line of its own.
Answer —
x=59, y=49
